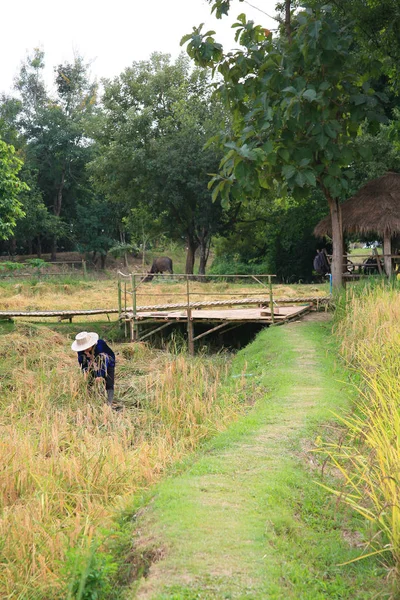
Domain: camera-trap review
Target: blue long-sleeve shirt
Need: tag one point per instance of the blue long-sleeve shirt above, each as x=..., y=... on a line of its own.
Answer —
x=106, y=359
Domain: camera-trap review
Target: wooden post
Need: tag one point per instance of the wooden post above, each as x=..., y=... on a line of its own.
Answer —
x=189, y=319
x=135, y=332
x=119, y=297
x=271, y=299
x=378, y=260
x=132, y=330
x=84, y=268
x=387, y=251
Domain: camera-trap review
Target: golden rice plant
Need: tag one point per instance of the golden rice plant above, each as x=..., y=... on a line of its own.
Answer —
x=369, y=459
x=70, y=463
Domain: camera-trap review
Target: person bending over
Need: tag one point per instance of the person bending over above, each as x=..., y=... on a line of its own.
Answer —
x=96, y=360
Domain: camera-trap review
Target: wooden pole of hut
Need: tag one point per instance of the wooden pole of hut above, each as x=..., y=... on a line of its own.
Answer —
x=387, y=251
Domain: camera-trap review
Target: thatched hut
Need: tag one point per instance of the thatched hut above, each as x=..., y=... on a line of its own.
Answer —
x=374, y=209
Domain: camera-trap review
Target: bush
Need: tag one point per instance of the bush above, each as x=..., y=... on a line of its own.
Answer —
x=228, y=266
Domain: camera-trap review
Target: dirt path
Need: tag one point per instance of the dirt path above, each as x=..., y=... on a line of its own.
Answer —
x=246, y=520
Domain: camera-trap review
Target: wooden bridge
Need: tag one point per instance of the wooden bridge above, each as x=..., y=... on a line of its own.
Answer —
x=220, y=315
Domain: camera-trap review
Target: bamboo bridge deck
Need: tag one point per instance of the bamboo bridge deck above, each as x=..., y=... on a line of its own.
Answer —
x=213, y=316
x=254, y=315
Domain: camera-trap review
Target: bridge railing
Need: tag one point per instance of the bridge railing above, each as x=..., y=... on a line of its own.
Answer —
x=133, y=286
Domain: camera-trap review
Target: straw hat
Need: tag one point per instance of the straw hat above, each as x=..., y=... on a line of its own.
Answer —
x=84, y=340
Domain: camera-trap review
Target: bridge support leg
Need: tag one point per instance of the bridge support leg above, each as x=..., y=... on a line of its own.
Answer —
x=190, y=332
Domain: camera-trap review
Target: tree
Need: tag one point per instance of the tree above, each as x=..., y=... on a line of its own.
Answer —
x=10, y=189
x=276, y=233
x=157, y=117
x=95, y=228
x=54, y=132
x=376, y=27
x=297, y=103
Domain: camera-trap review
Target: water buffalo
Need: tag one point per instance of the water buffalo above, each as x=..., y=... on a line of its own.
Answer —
x=162, y=264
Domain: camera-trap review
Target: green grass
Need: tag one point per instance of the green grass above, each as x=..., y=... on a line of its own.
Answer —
x=246, y=518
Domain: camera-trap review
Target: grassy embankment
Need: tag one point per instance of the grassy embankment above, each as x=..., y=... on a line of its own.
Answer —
x=246, y=517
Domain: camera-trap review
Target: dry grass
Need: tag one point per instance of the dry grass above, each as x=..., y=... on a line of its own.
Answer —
x=70, y=462
x=369, y=458
x=80, y=294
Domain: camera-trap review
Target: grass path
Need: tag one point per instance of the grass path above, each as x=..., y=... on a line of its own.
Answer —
x=245, y=519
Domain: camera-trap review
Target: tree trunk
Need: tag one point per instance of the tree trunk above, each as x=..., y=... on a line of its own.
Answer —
x=288, y=28
x=57, y=212
x=190, y=256
x=205, y=243
x=337, y=241
x=39, y=247
x=387, y=250
x=103, y=258
x=53, y=255
x=12, y=247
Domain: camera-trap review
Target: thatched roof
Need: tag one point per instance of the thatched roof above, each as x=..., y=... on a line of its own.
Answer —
x=374, y=209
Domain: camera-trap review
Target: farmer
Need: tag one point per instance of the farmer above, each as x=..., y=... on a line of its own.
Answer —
x=97, y=361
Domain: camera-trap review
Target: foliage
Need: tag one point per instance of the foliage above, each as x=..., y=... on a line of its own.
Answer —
x=151, y=136
x=233, y=266
x=377, y=29
x=278, y=234
x=9, y=265
x=51, y=132
x=380, y=155
x=297, y=103
x=90, y=573
x=291, y=244
x=37, y=263
x=95, y=226
x=10, y=189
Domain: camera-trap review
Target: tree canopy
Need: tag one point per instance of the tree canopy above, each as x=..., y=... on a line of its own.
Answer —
x=10, y=189
x=158, y=116
x=297, y=103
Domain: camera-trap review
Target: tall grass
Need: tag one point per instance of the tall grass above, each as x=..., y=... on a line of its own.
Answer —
x=368, y=329
x=70, y=463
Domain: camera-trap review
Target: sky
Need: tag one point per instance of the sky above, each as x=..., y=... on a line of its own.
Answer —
x=110, y=35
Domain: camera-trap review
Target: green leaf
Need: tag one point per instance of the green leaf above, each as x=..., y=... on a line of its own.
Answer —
x=310, y=94
x=300, y=180
x=268, y=147
x=365, y=152
x=289, y=171
x=325, y=85
x=283, y=153
x=309, y=176
x=358, y=99
x=330, y=132
x=264, y=179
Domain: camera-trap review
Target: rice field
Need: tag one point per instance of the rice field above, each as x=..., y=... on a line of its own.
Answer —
x=368, y=456
x=71, y=464
x=82, y=294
